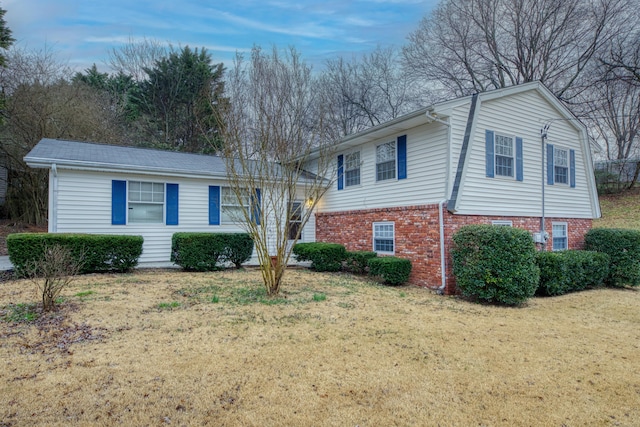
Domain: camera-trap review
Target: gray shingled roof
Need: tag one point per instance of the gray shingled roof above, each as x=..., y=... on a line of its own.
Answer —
x=101, y=156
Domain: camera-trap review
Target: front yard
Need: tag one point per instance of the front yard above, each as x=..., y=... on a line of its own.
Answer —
x=158, y=347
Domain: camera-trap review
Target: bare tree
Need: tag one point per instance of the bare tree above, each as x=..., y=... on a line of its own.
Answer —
x=53, y=272
x=467, y=46
x=275, y=125
x=134, y=57
x=42, y=103
x=367, y=90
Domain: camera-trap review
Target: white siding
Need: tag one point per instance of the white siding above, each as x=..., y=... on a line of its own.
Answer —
x=427, y=156
x=83, y=205
x=523, y=115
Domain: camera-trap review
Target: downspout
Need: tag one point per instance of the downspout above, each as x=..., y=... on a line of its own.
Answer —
x=53, y=203
x=442, y=247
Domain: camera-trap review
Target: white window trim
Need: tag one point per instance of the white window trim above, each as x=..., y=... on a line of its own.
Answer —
x=163, y=203
x=359, y=169
x=373, y=240
x=395, y=162
x=566, y=235
x=502, y=222
x=567, y=167
x=223, y=205
x=513, y=156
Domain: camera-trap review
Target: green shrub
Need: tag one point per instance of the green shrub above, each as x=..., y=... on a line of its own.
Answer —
x=358, y=261
x=204, y=251
x=323, y=256
x=238, y=248
x=570, y=271
x=95, y=252
x=495, y=264
x=623, y=248
x=392, y=270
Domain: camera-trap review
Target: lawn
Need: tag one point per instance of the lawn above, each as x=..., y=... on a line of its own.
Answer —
x=172, y=348
x=620, y=210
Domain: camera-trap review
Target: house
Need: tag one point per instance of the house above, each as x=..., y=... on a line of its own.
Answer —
x=107, y=189
x=402, y=188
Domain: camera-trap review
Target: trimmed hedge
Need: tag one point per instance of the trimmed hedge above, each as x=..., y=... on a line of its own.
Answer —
x=357, y=261
x=323, y=256
x=495, y=264
x=96, y=253
x=204, y=251
x=571, y=271
x=623, y=248
x=392, y=270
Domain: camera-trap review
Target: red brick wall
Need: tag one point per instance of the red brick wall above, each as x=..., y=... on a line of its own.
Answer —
x=417, y=235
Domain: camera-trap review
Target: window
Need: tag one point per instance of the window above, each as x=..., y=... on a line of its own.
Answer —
x=295, y=220
x=559, y=236
x=386, y=161
x=352, y=169
x=504, y=153
x=502, y=223
x=232, y=209
x=383, y=237
x=561, y=166
x=146, y=202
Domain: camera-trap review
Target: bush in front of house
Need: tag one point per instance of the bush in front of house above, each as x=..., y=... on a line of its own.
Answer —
x=623, y=248
x=358, y=261
x=495, y=264
x=571, y=271
x=206, y=251
x=392, y=270
x=95, y=253
x=323, y=256
x=238, y=248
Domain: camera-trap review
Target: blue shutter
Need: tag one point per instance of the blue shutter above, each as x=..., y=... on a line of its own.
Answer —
x=172, y=204
x=118, y=202
x=340, y=172
x=402, y=157
x=519, y=161
x=214, y=205
x=255, y=207
x=572, y=168
x=550, y=174
x=488, y=138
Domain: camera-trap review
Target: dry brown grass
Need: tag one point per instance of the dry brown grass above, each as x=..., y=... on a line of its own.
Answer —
x=152, y=348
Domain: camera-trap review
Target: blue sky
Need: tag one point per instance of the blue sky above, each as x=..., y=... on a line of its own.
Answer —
x=83, y=31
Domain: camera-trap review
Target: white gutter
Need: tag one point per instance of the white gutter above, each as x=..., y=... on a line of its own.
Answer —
x=53, y=202
x=442, y=248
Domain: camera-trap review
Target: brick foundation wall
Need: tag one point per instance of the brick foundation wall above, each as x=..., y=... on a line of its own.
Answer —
x=417, y=235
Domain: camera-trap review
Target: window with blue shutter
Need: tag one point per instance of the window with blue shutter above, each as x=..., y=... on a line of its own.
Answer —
x=402, y=157
x=256, y=201
x=172, y=204
x=340, y=172
x=118, y=202
x=214, y=205
x=503, y=156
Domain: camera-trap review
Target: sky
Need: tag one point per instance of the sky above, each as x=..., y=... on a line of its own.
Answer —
x=83, y=32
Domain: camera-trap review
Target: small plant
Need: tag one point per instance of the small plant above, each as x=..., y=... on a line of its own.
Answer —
x=168, y=305
x=215, y=299
x=392, y=270
x=84, y=294
x=52, y=273
x=20, y=313
x=319, y=297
